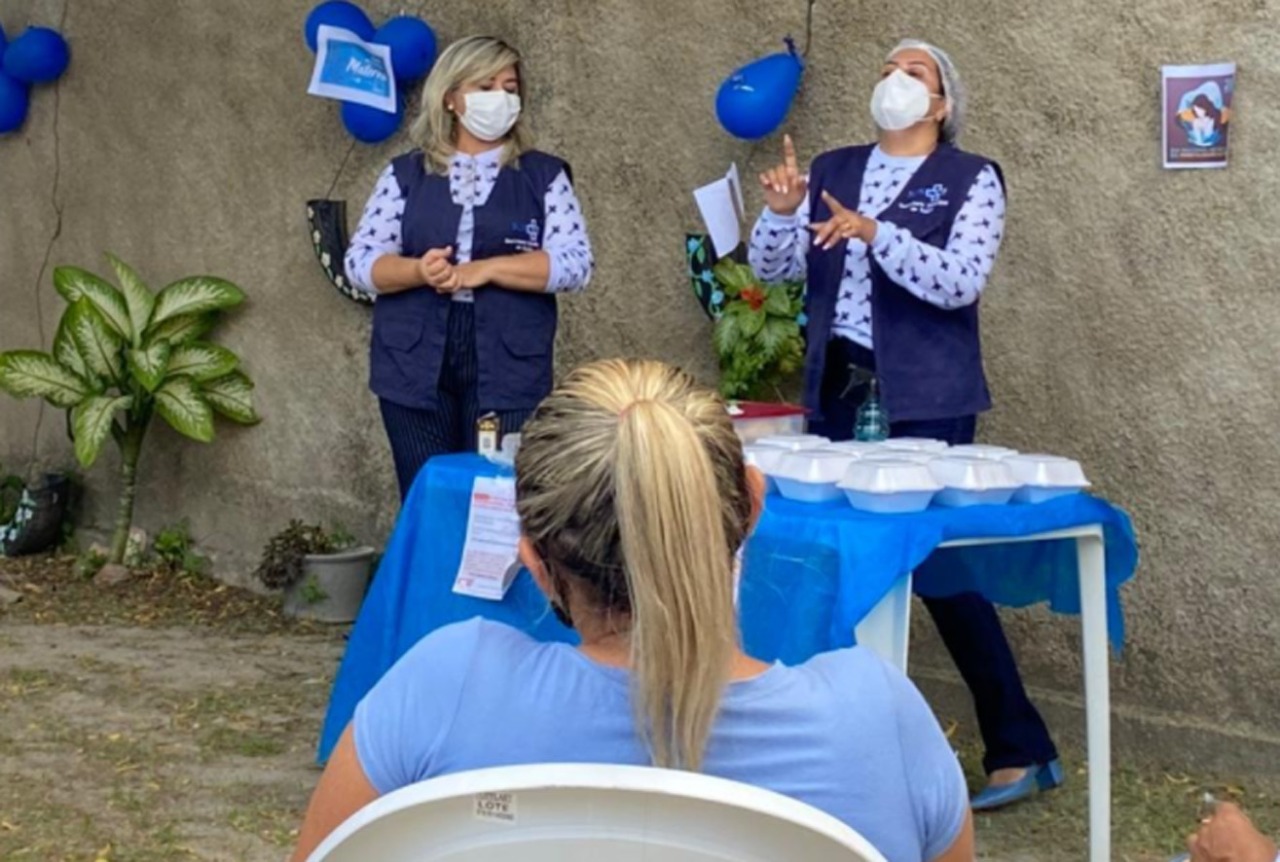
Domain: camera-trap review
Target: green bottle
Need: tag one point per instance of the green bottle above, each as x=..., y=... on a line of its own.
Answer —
x=872, y=424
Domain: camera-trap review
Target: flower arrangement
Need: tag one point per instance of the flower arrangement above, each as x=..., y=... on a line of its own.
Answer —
x=759, y=327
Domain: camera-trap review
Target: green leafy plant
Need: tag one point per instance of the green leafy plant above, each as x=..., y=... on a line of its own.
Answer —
x=175, y=550
x=281, y=564
x=123, y=354
x=759, y=335
x=312, y=592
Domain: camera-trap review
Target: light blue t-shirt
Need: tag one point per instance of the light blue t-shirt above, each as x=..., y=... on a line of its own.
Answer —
x=843, y=732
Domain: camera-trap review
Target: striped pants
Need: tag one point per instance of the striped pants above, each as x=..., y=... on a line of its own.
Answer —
x=416, y=435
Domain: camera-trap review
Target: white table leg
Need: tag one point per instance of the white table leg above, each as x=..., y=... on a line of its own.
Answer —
x=1093, y=614
x=886, y=629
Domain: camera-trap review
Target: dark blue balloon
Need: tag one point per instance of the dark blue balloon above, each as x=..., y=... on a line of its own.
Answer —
x=371, y=125
x=754, y=100
x=413, y=46
x=38, y=56
x=338, y=13
x=14, y=101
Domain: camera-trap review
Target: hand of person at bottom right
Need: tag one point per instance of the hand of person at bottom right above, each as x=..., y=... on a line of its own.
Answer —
x=1228, y=836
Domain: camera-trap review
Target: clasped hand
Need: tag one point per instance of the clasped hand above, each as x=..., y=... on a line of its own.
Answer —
x=442, y=276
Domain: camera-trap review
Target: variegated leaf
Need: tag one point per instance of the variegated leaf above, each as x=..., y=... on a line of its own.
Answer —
x=183, y=407
x=91, y=423
x=202, y=361
x=76, y=284
x=232, y=397
x=31, y=374
x=182, y=329
x=197, y=295
x=137, y=297
x=66, y=352
x=99, y=346
x=150, y=364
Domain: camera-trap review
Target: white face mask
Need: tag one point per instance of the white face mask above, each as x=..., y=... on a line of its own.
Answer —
x=900, y=101
x=490, y=114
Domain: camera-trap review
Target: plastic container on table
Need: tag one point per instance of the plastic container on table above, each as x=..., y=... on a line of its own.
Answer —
x=765, y=459
x=888, y=486
x=981, y=450
x=916, y=444
x=755, y=419
x=861, y=448
x=810, y=476
x=1046, y=477
x=970, y=481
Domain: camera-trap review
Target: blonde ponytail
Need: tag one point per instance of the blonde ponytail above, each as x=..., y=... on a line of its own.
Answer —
x=630, y=483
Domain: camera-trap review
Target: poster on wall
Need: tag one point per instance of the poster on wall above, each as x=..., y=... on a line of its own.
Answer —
x=1197, y=114
x=352, y=70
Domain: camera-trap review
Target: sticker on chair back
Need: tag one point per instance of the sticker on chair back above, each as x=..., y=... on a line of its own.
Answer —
x=499, y=807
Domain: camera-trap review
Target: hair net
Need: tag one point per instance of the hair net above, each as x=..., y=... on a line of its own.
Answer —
x=952, y=86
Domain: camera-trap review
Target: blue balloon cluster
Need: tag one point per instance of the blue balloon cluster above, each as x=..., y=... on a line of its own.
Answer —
x=413, y=53
x=754, y=100
x=38, y=56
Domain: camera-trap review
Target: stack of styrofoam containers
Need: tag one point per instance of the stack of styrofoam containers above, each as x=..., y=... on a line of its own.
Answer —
x=1045, y=477
x=889, y=486
x=812, y=475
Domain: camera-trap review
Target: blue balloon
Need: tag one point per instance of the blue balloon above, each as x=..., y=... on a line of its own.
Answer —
x=38, y=56
x=14, y=101
x=754, y=100
x=413, y=46
x=341, y=14
x=371, y=125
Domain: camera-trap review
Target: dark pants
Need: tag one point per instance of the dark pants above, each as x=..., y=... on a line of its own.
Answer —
x=1013, y=732
x=416, y=435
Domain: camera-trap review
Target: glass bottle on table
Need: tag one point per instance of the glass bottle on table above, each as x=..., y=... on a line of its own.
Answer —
x=872, y=423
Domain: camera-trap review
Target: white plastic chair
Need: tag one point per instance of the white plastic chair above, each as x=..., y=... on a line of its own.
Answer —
x=581, y=812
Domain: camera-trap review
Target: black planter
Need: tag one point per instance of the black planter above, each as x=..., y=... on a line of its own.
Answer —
x=43, y=530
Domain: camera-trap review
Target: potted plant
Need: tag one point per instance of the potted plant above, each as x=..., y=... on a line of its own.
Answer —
x=32, y=515
x=323, y=573
x=123, y=355
x=759, y=326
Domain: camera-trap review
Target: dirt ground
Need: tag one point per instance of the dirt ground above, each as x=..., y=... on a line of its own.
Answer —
x=172, y=718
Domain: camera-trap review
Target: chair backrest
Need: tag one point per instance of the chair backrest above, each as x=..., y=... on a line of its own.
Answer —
x=581, y=812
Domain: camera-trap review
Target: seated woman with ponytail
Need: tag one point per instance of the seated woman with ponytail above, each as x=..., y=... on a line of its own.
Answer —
x=634, y=499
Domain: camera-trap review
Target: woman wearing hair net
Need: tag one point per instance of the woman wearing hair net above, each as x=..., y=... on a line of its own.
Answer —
x=896, y=241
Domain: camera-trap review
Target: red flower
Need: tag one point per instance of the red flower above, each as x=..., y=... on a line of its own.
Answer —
x=754, y=297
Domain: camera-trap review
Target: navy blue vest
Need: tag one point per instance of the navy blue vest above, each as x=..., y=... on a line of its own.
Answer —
x=929, y=361
x=515, y=330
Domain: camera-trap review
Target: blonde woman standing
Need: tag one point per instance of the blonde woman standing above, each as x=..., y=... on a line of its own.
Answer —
x=634, y=499
x=465, y=241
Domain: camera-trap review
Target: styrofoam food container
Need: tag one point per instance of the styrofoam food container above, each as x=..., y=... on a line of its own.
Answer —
x=911, y=455
x=765, y=459
x=810, y=476
x=889, y=487
x=794, y=442
x=970, y=481
x=1046, y=477
x=980, y=450
x=855, y=447
x=916, y=444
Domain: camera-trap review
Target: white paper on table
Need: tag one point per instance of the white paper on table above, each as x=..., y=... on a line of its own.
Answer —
x=489, y=557
x=720, y=204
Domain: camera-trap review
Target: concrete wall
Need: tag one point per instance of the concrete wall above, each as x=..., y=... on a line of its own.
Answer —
x=1128, y=323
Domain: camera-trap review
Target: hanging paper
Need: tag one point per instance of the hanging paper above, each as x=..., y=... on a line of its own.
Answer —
x=1197, y=114
x=720, y=204
x=350, y=69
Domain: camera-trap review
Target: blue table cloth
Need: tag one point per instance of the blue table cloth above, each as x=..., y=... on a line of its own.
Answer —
x=810, y=573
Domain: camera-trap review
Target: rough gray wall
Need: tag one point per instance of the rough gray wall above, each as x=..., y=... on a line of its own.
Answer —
x=1127, y=324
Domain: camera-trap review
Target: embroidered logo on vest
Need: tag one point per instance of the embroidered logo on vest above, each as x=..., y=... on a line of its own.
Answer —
x=925, y=200
x=525, y=236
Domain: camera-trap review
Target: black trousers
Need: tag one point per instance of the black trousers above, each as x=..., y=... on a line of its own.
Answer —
x=1013, y=732
x=417, y=435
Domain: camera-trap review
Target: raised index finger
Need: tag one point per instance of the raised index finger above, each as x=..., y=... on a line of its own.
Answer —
x=789, y=155
x=837, y=208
